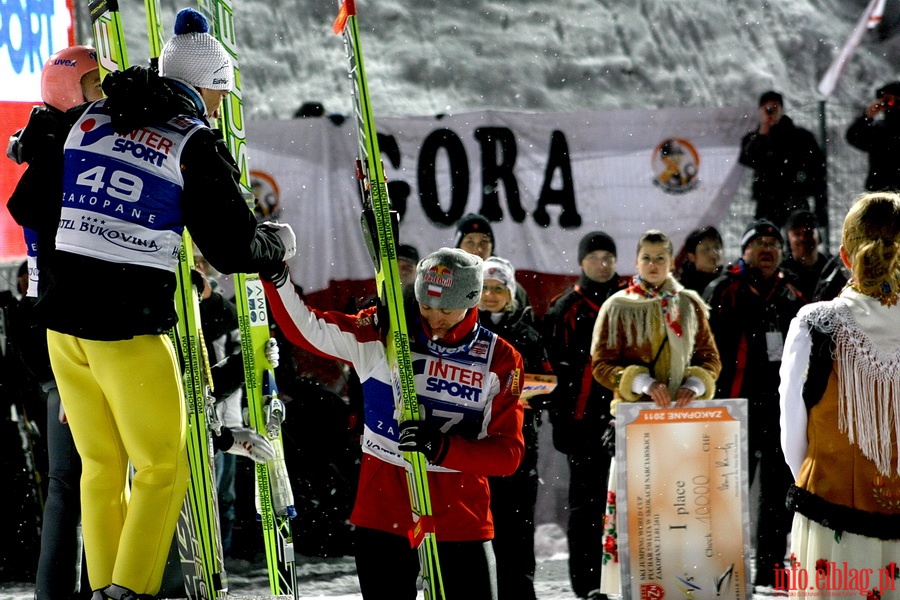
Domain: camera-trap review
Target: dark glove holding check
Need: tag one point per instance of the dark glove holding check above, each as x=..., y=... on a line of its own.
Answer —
x=608, y=439
x=425, y=437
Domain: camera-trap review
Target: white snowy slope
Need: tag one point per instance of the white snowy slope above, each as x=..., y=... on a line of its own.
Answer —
x=429, y=56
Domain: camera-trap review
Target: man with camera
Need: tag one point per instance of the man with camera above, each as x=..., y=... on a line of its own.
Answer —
x=877, y=132
x=788, y=165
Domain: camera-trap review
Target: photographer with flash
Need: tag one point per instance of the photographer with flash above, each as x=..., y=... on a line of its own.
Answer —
x=788, y=165
x=877, y=132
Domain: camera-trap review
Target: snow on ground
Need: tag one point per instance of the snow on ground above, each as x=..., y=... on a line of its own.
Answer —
x=335, y=578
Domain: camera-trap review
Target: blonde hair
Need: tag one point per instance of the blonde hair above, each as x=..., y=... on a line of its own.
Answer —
x=871, y=238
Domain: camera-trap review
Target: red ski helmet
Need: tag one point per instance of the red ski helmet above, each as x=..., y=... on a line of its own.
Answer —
x=62, y=73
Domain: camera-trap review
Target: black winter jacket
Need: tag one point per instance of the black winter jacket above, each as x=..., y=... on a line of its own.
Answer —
x=582, y=405
x=101, y=300
x=789, y=168
x=742, y=311
x=881, y=140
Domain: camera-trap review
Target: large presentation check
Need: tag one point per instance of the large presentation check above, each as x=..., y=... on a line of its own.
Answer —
x=681, y=496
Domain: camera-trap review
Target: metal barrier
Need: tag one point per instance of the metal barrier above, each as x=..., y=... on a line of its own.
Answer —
x=847, y=170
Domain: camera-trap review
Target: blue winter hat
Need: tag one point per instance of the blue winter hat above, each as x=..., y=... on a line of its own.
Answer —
x=195, y=57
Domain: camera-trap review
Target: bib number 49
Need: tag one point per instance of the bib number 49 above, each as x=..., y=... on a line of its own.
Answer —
x=121, y=185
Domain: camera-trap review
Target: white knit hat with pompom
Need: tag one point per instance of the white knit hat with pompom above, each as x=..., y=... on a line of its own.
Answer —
x=195, y=57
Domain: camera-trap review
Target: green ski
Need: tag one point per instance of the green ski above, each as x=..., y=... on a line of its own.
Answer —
x=275, y=502
x=381, y=238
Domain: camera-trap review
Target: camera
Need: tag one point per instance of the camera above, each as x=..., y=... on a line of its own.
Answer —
x=770, y=109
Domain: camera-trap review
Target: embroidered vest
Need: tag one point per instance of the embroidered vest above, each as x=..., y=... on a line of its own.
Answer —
x=852, y=458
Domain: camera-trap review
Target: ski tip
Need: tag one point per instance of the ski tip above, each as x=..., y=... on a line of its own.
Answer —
x=348, y=8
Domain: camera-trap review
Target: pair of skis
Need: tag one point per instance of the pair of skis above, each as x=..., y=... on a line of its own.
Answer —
x=379, y=229
x=198, y=534
x=275, y=502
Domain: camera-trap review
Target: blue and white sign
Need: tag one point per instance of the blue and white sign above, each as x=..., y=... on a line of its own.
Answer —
x=30, y=31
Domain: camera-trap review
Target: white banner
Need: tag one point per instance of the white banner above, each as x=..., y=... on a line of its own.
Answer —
x=544, y=180
x=29, y=33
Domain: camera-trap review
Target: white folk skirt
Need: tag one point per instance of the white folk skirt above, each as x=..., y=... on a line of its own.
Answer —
x=830, y=564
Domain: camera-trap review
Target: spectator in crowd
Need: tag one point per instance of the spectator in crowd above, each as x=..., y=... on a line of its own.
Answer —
x=834, y=277
x=314, y=109
x=840, y=406
x=407, y=259
x=580, y=409
x=700, y=259
x=310, y=109
x=513, y=498
x=475, y=235
x=651, y=342
x=471, y=425
x=877, y=133
x=109, y=306
x=752, y=305
x=23, y=467
x=804, y=264
x=788, y=165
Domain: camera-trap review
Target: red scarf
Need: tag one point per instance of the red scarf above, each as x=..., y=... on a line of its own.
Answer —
x=669, y=301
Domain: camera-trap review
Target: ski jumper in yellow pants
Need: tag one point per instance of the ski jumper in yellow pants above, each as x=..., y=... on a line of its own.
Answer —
x=127, y=539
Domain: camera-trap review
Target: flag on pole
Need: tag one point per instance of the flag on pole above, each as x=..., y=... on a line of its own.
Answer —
x=877, y=15
x=870, y=19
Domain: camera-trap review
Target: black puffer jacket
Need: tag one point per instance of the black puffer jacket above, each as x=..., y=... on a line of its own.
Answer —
x=101, y=300
x=743, y=311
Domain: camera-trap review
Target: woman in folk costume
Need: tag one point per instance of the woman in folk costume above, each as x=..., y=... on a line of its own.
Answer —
x=840, y=414
x=651, y=342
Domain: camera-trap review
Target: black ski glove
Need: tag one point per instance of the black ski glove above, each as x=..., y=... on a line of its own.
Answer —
x=425, y=437
x=276, y=272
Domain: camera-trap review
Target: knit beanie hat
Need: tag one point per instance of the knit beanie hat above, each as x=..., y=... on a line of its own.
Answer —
x=800, y=219
x=449, y=279
x=408, y=253
x=595, y=240
x=195, y=57
x=503, y=271
x=758, y=228
x=474, y=223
